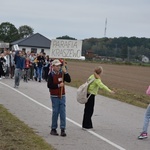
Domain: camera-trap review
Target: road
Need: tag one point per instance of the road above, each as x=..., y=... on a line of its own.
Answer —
x=116, y=124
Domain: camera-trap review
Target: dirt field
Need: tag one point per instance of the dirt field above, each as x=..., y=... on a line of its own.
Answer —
x=130, y=78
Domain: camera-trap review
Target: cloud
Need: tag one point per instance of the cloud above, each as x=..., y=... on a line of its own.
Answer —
x=80, y=19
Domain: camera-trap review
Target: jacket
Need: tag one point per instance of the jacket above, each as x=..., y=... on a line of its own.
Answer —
x=96, y=85
x=53, y=83
x=19, y=61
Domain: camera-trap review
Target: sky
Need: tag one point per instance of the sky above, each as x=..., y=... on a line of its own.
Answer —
x=80, y=19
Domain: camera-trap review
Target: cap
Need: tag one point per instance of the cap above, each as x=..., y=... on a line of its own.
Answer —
x=56, y=62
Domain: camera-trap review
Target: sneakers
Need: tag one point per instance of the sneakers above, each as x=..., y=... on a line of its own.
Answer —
x=143, y=135
x=63, y=133
x=54, y=132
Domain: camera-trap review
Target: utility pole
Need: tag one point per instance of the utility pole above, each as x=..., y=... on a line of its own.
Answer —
x=105, y=28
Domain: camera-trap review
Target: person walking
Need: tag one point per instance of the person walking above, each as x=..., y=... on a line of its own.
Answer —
x=32, y=57
x=26, y=76
x=35, y=67
x=2, y=68
x=11, y=64
x=92, y=92
x=46, y=68
x=40, y=64
x=144, y=133
x=19, y=66
x=56, y=86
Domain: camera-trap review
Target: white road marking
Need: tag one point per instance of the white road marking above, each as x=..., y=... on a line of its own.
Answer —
x=73, y=122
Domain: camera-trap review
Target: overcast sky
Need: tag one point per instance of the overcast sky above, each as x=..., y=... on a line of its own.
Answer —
x=80, y=19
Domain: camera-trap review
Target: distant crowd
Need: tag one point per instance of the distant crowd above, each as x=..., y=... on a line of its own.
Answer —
x=35, y=66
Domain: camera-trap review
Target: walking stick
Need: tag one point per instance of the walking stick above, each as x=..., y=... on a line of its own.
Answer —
x=62, y=78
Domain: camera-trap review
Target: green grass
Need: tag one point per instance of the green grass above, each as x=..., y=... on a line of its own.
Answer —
x=128, y=97
x=15, y=135
x=121, y=95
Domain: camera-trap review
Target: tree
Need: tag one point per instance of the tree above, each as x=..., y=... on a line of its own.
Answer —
x=66, y=37
x=8, y=32
x=25, y=31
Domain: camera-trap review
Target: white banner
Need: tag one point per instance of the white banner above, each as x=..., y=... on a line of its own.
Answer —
x=66, y=49
x=4, y=45
x=16, y=47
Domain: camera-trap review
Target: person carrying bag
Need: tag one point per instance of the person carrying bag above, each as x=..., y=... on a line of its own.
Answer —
x=92, y=91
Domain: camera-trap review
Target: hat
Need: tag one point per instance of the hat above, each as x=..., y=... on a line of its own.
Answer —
x=56, y=62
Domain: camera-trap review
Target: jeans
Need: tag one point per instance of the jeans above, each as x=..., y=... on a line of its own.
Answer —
x=59, y=108
x=39, y=71
x=35, y=73
x=18, y=74
x=146, y=119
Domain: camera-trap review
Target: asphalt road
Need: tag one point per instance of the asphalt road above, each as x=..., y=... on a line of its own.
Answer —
x=116, y=124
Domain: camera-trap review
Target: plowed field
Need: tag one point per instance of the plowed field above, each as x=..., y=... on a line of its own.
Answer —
x=131, y=78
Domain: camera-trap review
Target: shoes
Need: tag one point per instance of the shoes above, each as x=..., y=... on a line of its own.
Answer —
x=35, y=78
x=54, y=132
x=63, y=133
x=142, y=136
x=86, y=128
x=15, y=86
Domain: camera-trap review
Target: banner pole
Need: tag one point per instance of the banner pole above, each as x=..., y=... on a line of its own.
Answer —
x=62, y=78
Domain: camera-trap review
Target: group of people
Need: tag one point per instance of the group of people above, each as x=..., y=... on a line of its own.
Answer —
x=12, y=63
x=28, y=66
x=56, y=79
x=7, y=64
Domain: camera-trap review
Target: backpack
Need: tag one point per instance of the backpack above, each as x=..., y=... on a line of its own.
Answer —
x=82, y=92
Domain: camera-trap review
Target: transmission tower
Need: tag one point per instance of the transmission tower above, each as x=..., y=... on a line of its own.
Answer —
x=105, y=28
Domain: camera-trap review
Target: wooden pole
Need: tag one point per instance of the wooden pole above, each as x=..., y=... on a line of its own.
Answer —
x=62, y=78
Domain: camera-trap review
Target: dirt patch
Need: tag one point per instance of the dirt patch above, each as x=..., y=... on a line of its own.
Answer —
x=130, y=78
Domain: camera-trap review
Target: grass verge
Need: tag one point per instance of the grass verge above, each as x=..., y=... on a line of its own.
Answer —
x=122, y=95
x=15, y=135
x=128, y=97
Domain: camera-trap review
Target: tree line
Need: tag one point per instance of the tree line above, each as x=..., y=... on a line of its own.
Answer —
x=132, y=48
x=9, y=33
